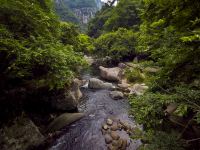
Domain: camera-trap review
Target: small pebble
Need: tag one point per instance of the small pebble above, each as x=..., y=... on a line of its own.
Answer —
x=114, y=127
x=109, y=122
x=114, y=135
x=105, y=127
x=110, y=147
x=119, y=126
x=115, y=143
x=108, y=139
x=104, y=131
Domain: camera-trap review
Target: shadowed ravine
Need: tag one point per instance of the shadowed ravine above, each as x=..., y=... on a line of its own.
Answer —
x=86, y=133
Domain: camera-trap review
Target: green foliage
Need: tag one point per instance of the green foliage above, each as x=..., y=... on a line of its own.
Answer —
x=28, y=18
x=69, y=34
x=170, y=32
x=86, y=44
x=95, y=26
x=65, y=13
x=118, y=45
x=124, y=15
x=31, y=50
x=149, y=109
x=163, y=141
x=134, y=75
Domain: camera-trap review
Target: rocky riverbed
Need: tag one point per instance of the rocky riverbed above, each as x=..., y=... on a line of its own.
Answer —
x=106, y=124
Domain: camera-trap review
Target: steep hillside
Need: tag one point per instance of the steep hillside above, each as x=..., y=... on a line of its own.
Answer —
x=77, y=11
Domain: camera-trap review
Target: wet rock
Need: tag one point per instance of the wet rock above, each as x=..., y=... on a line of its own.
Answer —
x=64, y=101
x=114, y=127
x=111, y=147
x=116, y=95
x=67, y=100
x=75, y=88
x=109, y=122
x=125, y=125
x=64, y=120
x=138, y=89
x=21, y=135
x=104, y=132
x=124, y=144
x=124, y=86
x=105, y=127
x=119, y=126
x=95, y=83
x=111, y=74
x=114, y=135
x=122, y=65
x=108, y=139
x=115, y=143
x=129, y=132
x=119, y=144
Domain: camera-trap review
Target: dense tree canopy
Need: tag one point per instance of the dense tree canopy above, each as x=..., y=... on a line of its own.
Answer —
x=110, y=18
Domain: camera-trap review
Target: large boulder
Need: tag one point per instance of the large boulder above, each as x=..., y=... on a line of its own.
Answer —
x=68, y=100
x=20, y=135
x=111, y=74
x=64, y=101
x=63, y=120
x=95, y=83
x=116, y=95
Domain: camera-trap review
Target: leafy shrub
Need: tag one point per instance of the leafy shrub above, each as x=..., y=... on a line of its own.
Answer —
x=108, y=19
x=95, y=26
x=149, y=109
x=134, y=75
x=163, y=141
x=118, y=45
x=86, y=44
x=124, y=15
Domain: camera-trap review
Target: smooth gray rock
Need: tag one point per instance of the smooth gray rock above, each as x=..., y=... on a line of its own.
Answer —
x=95, y=83
x=111, y=74
x=63, y=120
x=116, y=95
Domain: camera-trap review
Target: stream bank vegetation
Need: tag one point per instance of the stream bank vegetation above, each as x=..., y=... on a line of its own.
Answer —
x=168, y=33
x=39, y=57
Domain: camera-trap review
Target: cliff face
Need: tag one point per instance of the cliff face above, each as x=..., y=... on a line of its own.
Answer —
x=85, y=14
x=84, y=10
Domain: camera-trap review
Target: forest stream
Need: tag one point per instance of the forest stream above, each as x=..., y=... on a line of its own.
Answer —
x=86, y=134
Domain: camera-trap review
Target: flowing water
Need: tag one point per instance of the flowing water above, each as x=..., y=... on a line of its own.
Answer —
x=86, y=134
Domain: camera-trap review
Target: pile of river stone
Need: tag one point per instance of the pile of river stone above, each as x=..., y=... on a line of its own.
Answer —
x=117, y=134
